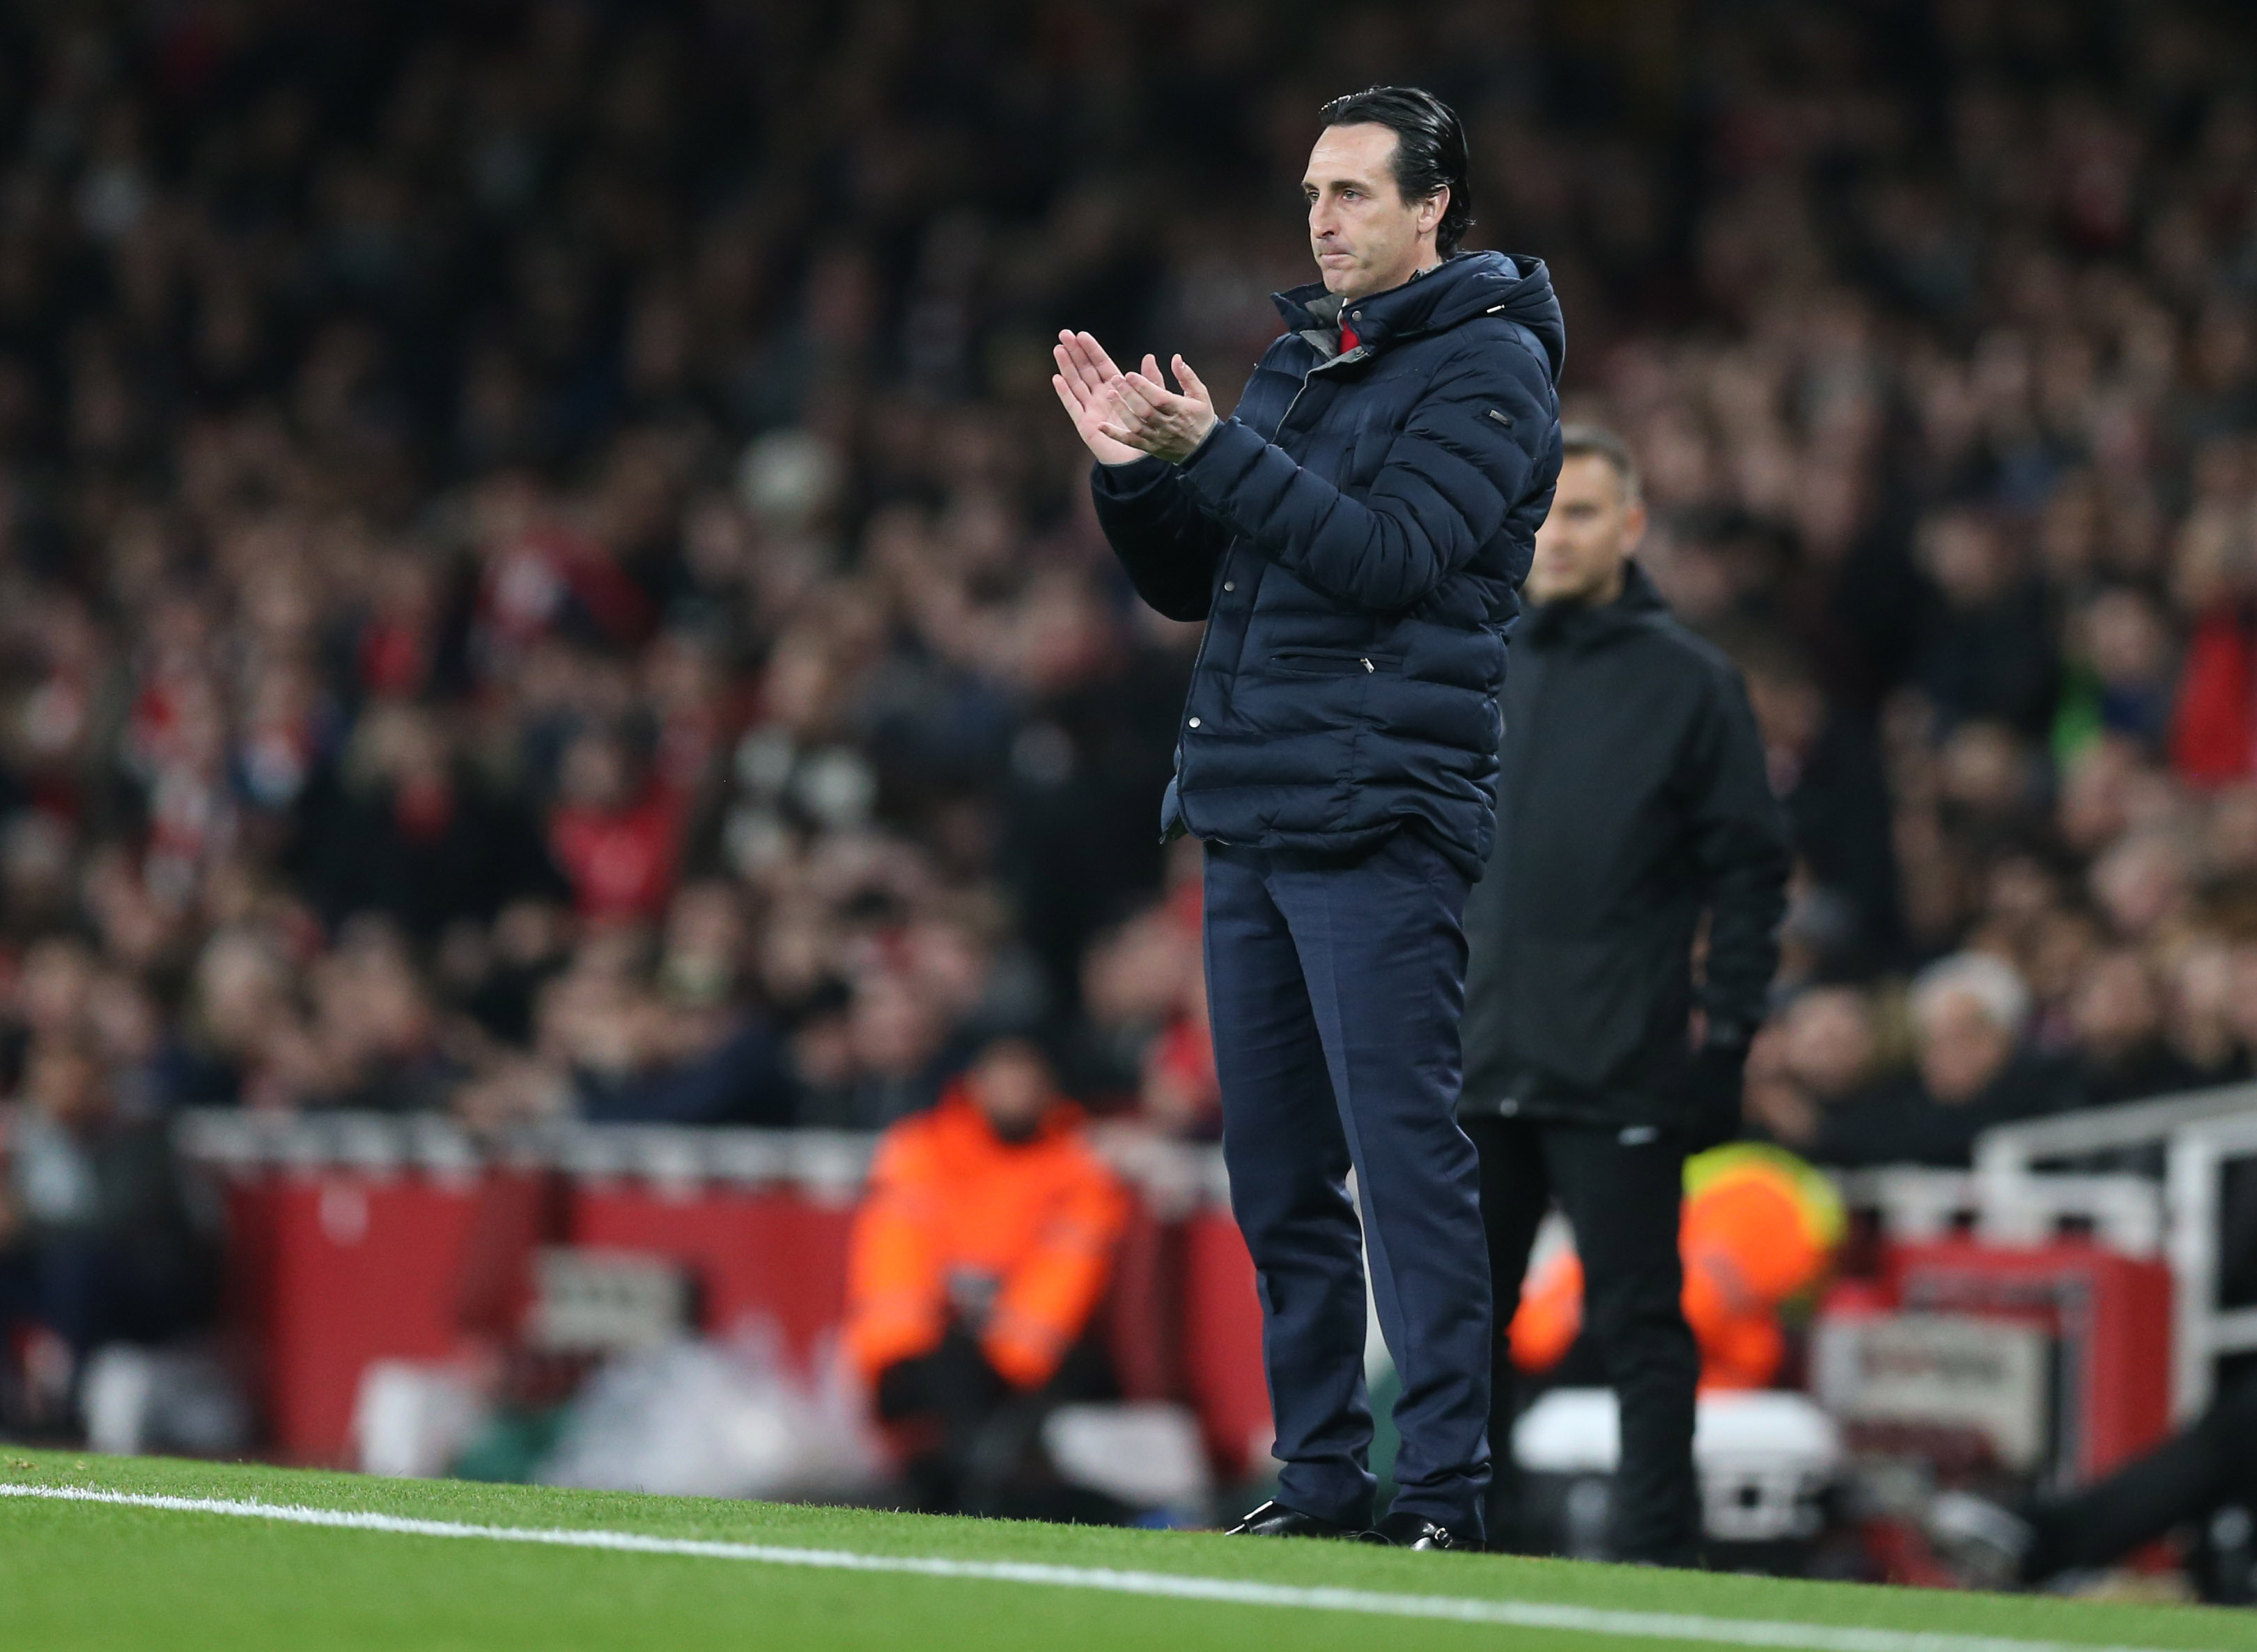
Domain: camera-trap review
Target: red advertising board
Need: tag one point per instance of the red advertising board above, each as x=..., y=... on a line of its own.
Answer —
x=334, y=1268
x=2109, y=1317
x=751, y=1254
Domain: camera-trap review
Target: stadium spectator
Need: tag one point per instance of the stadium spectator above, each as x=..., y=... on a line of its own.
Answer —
x=1971, y=1069
x=102, y=1238
x=1825, y=764
x=613, y=832
x=1760, y=1228
x=979, y=1258
x=1824, y=1048
x=398, y=827
x=2121, y=1053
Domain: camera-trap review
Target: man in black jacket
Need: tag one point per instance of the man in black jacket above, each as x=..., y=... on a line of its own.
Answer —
x=1353, y=537
x=1633, y=804
x=102, y=1238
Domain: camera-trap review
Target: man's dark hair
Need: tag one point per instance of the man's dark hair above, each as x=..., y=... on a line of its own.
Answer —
x=1429, y=149
x=1595, y=442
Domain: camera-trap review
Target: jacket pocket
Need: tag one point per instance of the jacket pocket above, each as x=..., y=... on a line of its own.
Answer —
x=1310, y=662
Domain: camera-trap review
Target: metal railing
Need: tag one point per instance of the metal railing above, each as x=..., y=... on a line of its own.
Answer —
x=2017, y=1149
x=2204, y=1330
x=827, y=1166
x=2180, y=1146
x=2124, y=1212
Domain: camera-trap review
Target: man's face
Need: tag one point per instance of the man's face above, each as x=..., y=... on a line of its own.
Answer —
x=1367, y=238
x=1829, y=1040
x=1593, y=527
x=595, y=772
x=65, y=1084
x=1961, y=1049
x=1010, y=1084
x=2115, y=1011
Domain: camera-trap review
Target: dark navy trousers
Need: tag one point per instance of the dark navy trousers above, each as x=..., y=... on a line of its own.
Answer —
x=1335, y=985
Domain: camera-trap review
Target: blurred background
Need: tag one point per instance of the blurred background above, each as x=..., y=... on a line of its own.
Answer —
x=556, y=674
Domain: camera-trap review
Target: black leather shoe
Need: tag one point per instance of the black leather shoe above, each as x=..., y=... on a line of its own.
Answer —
x=1404, y=1530
x=1276, y=1520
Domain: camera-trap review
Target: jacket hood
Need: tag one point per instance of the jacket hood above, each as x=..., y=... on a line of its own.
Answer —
x=1453, y=292
x=1640, y=604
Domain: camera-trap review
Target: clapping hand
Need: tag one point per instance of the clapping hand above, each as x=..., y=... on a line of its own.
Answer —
x=1085, y=371
x=1123, y=416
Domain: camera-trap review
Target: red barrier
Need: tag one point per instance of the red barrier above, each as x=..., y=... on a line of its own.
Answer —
x=1222, y=1343
x=247, y=1286
x=2108, y=1314
x=330, y=1270
x=1144, y=1307
x=341, y=1269
x=752, y=1253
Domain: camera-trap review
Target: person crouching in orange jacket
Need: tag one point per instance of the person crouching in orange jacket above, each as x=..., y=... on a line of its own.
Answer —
x=976, y=1265
x=1760, y=1227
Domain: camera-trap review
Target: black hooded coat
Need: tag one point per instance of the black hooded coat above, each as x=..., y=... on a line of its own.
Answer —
x=1634, y=804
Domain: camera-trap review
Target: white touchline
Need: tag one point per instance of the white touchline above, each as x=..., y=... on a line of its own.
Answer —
x=1523, y=1614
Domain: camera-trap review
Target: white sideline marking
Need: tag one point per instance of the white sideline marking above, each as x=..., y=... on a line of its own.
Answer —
x=1520, y=1614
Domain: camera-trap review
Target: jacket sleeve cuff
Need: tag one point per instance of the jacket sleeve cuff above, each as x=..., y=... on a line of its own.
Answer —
x=1125, y=483
x=1230, y=447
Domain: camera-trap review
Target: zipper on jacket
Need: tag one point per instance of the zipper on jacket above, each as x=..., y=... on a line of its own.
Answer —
x=1344, y=662
x=1359, y=353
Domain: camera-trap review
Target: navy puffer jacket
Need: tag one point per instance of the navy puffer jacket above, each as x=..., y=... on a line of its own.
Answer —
x=1354, y=536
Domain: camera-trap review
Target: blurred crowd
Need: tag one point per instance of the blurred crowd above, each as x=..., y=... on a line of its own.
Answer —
x=541, y=575
x=1960, y=461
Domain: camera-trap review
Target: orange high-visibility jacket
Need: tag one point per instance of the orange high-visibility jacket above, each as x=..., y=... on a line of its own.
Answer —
x=948, y=1201
x=1759, y=1226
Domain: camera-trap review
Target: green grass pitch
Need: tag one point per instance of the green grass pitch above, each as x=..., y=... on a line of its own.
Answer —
x=86, y=1574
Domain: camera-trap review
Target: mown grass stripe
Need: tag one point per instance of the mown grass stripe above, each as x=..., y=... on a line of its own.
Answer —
x=1525, y=1615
